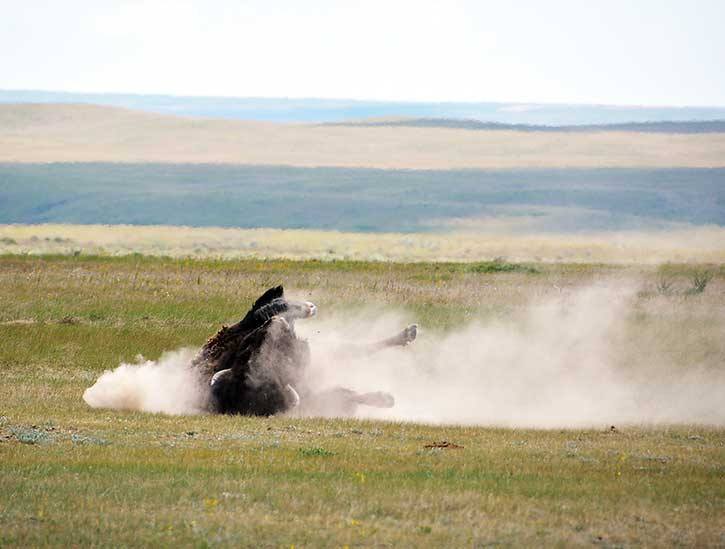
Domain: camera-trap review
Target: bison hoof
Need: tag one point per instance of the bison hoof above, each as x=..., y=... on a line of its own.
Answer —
x=410, y=333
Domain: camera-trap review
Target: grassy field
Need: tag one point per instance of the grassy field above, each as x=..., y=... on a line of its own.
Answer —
x=486, y=242
x=71, y=475
x=88, y=133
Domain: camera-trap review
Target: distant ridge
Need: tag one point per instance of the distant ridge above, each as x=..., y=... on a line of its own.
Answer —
x=276, y=109
x=52, y=132
x=669, y=126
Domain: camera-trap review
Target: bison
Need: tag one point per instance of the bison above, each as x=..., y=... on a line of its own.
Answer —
x=257, y=366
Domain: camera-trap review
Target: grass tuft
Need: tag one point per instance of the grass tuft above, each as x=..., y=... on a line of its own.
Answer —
x=501, y=266
x=315, y=452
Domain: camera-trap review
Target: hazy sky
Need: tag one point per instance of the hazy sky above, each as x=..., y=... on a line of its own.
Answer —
x=644, y=52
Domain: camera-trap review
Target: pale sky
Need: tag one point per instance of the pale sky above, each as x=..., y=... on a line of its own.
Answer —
x=626, y=52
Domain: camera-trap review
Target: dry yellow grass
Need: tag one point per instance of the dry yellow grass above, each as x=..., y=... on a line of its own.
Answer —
x=687, y=245
x=86, y=133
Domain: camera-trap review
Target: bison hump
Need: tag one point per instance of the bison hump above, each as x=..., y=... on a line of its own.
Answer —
x=268, y=296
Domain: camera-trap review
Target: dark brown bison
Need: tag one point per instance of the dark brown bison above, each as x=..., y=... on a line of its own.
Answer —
x=257, y=366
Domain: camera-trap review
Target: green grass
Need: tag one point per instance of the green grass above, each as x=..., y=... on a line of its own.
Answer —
x=71, y=475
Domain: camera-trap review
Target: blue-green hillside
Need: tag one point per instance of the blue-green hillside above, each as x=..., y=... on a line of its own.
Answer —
x=365, y=200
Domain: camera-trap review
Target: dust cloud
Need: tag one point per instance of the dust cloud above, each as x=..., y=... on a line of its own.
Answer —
x=168, y=385
x=562, y=362
x=566, y=362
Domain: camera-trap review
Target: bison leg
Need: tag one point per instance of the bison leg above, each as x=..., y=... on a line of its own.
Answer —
x=341, y=402
x=401, y=339
x=378, y=399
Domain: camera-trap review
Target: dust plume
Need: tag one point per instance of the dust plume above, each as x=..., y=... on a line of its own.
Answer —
x=578, y=359
x=168, y=385
x=567, y=361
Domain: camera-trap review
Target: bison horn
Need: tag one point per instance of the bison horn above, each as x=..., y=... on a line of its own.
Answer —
x=218, y=375
x=295, y=396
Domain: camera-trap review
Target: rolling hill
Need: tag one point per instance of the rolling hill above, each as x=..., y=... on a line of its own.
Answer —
x=90, y=164
x=91, y=133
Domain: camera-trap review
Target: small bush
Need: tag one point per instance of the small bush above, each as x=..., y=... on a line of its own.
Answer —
x=30, y=436
x=700, y=280
x=665, y=287
x=82, y=439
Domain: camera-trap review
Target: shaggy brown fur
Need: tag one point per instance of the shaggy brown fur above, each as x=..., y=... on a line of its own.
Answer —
x=257, y=366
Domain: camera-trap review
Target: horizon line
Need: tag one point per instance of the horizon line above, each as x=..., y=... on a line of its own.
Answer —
x=363, y=100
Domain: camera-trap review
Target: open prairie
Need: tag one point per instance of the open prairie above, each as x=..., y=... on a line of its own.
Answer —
x=89, y=133
x=566, y=387
x=362, y=274
x=494, y=241
x=72, y=475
